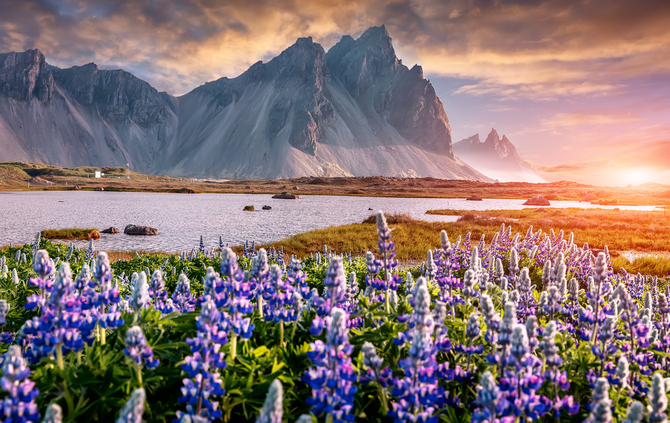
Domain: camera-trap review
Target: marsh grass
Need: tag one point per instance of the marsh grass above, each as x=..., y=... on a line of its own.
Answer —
x=621, y=230
x=68, y=234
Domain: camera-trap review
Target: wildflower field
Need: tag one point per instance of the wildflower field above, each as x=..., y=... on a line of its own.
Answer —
x=519, y=327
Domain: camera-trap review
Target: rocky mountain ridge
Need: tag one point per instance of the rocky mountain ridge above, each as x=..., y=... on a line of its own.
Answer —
x=497, y=157
x=355, y=110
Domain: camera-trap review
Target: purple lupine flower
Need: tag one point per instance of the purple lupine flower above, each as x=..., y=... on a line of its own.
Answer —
x=332, y=376
x=19, y=406
x=389, y=263
x=490, y=403
x=137, y=349
x=491, y=319
x=297, y=278
x=417, y=393
x=278, y=295
x=5, y=337
x=134, y=408
x=44, y=267
x=182, y=298
x=204, y=382
x=158, y=293
x=235, y=298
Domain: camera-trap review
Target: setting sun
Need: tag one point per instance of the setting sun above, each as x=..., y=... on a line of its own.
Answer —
x=637, y=176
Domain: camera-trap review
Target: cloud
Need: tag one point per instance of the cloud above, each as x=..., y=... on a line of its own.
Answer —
x=570, y=168
x=537, y=49
x=590, y=118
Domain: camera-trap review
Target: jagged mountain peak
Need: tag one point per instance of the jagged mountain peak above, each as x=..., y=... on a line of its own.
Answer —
x=496, y=157
x=26, y=75
x=353, y=111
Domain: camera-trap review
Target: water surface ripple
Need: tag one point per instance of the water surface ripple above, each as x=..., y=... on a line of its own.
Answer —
x=182, y=218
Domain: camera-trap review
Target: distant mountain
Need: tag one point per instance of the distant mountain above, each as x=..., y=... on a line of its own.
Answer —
x=353, y=111
x=496, y=158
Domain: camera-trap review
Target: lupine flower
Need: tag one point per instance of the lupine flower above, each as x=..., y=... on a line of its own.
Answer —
x=273, y=408
x=601, y=405
x=158, y=293
x=19, y=406
x=418, y=394
x=332, y=377
x=658, y=400
x=278, y=295
x=140, y=298
x=54, y=414
x=204, y=382
x=182, y=298
x=138, y=350
x=489, y=402
x=134, y=408
x=635, y=413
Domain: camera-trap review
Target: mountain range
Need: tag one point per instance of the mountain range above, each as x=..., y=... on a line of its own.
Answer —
x=495, y=157
x=355, y=110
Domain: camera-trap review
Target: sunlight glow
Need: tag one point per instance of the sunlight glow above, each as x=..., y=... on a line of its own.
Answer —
x=637, y=176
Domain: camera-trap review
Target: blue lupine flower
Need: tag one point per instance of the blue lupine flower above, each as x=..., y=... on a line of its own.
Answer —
x=490, y=403
x=134, y=408
x=204, y=382
x=19, y=406
x=601, y=405
x=138, y=350
x=332, y=376
x=418, y=394
x=182, y=298
x=159, y=294
x=273, y=407
x=278, y=295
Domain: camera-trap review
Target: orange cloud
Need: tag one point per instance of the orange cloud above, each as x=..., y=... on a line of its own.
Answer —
x=537, y=49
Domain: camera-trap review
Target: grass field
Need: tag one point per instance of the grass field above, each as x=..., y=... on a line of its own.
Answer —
x=68, y=234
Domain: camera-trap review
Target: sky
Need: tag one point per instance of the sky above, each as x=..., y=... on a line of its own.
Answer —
x=581, y=87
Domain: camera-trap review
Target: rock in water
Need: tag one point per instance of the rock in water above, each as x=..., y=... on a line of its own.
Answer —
x=140, y=230
x=353, y=111
x=111, y=230
x=538, y=200
x=589, y=197
x=286, y=196
x=474, y=198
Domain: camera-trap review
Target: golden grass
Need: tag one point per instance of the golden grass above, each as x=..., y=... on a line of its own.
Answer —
x=68, y=234
x=620, y=230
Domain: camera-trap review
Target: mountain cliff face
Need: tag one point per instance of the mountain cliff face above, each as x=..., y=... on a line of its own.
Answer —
x=353, y=111
x=495, y=157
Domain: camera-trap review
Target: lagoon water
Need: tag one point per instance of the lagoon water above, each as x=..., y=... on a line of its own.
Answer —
x=182, y=218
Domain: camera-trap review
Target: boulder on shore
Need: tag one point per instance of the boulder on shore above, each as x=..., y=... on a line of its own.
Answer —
x=538, y=200
x=111, y=230
x=474, y=198
x=140, y=230
x=286, y=196
x=589, y=197
x=93, y=235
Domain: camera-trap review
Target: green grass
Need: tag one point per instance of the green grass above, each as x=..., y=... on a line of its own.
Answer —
x=12, y=172
x=69, y=233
